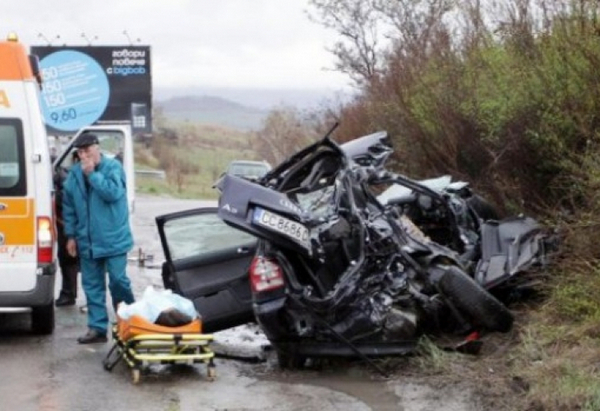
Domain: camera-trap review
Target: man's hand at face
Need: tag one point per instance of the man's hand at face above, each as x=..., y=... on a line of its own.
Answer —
x=89, y=157
x=87, y=165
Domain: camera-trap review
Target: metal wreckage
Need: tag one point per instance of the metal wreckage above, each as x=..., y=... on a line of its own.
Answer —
x=356, y=260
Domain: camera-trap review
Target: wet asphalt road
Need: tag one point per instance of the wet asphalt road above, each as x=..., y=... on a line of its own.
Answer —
x=54, y=373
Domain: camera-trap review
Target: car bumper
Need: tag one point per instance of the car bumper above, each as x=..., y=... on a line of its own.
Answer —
x=42, y=294
x=270, y=316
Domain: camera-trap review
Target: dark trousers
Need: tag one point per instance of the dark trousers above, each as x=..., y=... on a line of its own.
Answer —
x=69, y=267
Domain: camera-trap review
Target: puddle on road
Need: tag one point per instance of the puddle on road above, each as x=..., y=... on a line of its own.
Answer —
x=359, y=385
x=245, y=393
x=419, y=397
x=374, y=391
x=251, y=380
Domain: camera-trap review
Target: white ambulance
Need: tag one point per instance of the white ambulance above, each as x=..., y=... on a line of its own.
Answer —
x=27, y=243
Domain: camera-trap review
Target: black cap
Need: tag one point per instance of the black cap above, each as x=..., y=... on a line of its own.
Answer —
x=86, y=139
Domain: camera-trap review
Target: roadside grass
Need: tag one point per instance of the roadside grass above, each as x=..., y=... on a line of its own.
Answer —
x=560, y=373
x=559, y=353
x=194, y=134
x=550, y=360
x=194, y=187
x=197, y=162
x=143, y=158
x=431, y=358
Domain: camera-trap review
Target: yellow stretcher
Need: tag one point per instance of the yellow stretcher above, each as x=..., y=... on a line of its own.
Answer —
x=139, y=343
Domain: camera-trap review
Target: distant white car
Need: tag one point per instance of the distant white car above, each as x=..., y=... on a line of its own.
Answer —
x=251, y=170
x=248, y=169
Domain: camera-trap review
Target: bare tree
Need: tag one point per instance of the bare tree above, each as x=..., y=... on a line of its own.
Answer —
x=358, y=24
x=284, y=132
x=415, y=22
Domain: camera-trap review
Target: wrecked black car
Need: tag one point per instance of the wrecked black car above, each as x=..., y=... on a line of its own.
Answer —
x=332, y=254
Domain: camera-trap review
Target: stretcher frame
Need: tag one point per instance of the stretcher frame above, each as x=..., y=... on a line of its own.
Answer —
x=158, y=344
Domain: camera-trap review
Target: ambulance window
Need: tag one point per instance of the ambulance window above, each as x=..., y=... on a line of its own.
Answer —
x=12, y=158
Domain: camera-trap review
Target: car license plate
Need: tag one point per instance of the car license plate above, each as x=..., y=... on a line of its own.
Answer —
x=280, y=224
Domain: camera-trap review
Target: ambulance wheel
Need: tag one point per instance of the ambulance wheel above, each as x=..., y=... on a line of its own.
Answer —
x=135, y=375
x=42, y=319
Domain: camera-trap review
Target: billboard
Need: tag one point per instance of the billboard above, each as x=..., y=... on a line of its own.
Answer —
x=84, y=85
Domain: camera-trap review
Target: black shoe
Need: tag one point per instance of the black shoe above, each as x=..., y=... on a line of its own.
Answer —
x=63, y=301
x=92, y=337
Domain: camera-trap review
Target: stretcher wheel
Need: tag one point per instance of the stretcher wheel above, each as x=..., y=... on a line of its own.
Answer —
x=211, y=372
x=135, y=375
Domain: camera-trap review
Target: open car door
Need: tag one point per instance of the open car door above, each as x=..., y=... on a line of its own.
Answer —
x=207, y=262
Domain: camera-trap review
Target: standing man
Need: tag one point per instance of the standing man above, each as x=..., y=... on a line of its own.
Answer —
x=96, y=218
x=69, y=265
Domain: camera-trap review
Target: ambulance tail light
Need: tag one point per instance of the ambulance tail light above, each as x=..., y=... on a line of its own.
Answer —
x=45, y=240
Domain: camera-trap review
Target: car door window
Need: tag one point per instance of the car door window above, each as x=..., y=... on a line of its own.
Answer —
x=200, y=235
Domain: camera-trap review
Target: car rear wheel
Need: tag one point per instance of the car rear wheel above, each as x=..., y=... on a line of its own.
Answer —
x=42, y=319
x=475, y=303
x=288, y=360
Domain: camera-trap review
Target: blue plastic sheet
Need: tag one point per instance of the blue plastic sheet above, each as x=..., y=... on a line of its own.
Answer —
x=153, y=302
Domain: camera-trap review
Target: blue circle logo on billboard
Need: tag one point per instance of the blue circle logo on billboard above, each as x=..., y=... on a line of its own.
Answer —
x=75, y=90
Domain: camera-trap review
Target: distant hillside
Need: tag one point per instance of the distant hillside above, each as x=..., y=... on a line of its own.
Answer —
x=212, y=110
x=263, y=99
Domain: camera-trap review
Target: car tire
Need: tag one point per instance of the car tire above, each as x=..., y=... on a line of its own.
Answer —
x=42, y=319
x=477, y=305
x=483, y=208
x=291, y=361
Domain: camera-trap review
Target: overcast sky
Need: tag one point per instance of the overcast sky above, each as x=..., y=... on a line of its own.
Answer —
x=206, y=43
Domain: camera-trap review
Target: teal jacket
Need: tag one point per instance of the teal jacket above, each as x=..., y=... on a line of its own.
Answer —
x=97, y=215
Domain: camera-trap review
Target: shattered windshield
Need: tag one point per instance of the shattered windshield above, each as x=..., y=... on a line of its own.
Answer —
x=319, y=203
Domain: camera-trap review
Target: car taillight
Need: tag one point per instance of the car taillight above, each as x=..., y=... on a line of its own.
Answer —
x=45, y=240
x=265, y=274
